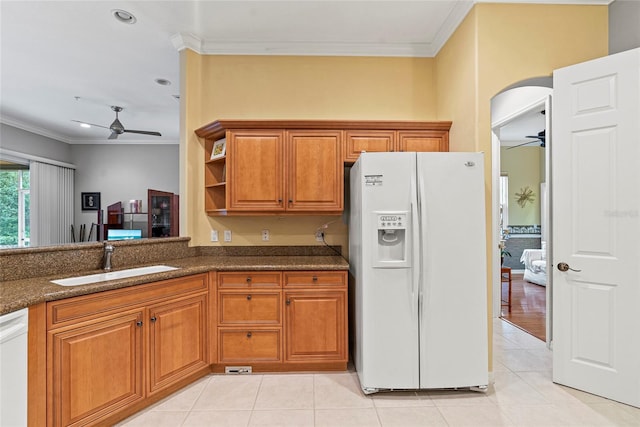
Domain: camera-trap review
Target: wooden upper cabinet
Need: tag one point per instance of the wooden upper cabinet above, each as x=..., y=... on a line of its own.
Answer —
x=255, y=168
x=315, y=171
x=297, y=166
x=371, y=141
x=422, y=141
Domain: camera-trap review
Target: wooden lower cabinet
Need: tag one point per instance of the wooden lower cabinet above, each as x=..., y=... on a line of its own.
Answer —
x=96, y=369
x=103, y=368
x=298, y=323
x=177, y=340
x=315, y=325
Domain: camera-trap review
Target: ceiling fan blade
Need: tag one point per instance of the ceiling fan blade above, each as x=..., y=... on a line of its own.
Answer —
x=143, y=132
x=92, y=124
x=520, y=145
x=114, y=135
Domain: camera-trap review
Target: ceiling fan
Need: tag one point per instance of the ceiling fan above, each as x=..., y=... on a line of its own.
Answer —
x=540, y=137
x=117, y=128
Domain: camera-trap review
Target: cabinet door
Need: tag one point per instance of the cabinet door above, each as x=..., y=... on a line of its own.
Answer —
x=422, y=141
x=315, y=326
x=315, y=171
x=177, y=340
x=371, y=141
x=96, y=369
x=255, y=170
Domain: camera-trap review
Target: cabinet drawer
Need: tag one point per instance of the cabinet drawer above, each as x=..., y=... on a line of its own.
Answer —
x=91, y=306
x=238, y=308
x=314, y=278
x=249, y=345
x=249, y=279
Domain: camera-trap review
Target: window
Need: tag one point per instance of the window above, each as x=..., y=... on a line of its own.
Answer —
x=14, y=205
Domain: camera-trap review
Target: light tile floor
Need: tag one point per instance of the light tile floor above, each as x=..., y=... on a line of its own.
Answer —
x=522, y=395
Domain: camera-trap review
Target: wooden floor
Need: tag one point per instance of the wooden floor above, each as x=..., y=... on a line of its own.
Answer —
x=528, y=306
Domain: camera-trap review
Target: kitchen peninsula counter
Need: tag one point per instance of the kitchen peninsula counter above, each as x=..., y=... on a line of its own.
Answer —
x=17, y=293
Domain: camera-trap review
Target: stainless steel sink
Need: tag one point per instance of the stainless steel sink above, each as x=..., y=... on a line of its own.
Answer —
x=113, y=275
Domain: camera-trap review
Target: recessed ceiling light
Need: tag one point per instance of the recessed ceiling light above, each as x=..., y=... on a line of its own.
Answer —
x=85, y=125
x=123, y=16
x=163, y=82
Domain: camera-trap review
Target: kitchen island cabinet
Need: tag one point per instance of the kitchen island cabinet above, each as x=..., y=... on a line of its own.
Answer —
x=109, y=353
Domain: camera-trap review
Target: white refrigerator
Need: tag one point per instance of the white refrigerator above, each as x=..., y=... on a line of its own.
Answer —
x=417, y=248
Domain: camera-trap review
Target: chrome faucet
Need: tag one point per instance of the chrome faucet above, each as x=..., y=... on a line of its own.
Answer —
x=106, y=259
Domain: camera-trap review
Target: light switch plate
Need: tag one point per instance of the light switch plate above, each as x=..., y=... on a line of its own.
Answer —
x=214, y=235
x=227, y=235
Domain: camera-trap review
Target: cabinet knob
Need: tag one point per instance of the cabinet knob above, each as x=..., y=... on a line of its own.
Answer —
x=248, y=297
x=290, y=201
x=248, y=334
x=315, y=278
x=139, y=323
x=288, y=302
x=279, y=200
x=153, y=319
x=248, y=279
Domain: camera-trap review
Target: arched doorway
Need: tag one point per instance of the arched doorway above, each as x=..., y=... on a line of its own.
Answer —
x=517, y=111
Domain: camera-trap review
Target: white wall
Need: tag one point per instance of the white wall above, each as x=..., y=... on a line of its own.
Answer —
x=624, y=25
x=21, y=141
x=121, y=173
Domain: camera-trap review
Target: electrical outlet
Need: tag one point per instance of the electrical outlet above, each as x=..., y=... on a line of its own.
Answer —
x=319, y=236
x=265, y=235
x=214, y=235
x=227, y=235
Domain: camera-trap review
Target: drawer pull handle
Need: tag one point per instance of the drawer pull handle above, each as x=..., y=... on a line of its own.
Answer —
x=248, y=279
x=288, y=302
x=153, y=319
x=315, y=278
x=248, y=334
x=248, y=297
x=139, y=323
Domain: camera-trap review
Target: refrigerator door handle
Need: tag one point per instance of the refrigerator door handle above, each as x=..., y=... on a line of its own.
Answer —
x=415, y=258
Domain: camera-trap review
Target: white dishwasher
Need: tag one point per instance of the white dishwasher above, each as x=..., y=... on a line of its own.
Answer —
x=13, y=368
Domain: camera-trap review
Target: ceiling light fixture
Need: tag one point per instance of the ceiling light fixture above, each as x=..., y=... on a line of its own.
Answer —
x=85, y=125
x=123, y=16
x=163, y=82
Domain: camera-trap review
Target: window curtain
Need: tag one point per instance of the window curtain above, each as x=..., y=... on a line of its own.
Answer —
x=51, y=204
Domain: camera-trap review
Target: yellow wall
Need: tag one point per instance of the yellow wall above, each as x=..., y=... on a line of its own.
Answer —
x=495, y=46
x=500, y=44
x=522, y=165
x=291, y=87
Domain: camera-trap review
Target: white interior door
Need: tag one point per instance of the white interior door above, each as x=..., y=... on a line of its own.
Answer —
x=596, y=232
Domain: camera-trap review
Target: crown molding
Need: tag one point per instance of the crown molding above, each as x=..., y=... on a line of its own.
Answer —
x=73, y=141
x=212, y=47
x=460, y=11
x=33, y=129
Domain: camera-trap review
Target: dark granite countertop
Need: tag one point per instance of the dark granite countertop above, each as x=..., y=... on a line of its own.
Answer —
x=17, y=294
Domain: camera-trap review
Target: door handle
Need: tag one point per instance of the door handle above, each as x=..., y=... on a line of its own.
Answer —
x=563, y=266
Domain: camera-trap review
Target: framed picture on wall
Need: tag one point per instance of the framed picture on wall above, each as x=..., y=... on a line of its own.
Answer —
x=90, y=201
x=219, y=149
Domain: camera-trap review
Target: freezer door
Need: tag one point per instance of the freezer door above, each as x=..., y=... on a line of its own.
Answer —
x=453, y=290
x=386, y=321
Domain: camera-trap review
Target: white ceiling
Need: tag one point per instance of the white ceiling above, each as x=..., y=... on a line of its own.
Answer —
x=71, y=60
